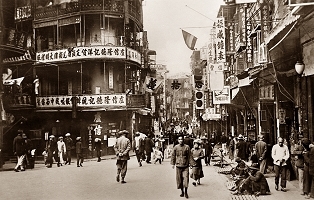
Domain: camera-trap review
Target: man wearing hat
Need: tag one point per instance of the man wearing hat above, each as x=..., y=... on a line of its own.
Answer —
x=256, y=183
x=240, y=169
x=122, y=148
x=61, y=150
x=241, y=147
x=52, y=150
x=308, y=155
x=79, y=152
x=261, y=149
x=68, y=145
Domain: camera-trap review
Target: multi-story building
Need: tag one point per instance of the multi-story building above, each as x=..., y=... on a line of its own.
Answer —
x=82, y=72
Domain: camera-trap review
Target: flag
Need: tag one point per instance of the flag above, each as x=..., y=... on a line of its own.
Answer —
x=151, y=84
x=189, y=39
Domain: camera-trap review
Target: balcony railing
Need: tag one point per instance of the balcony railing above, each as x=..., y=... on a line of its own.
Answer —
x=75, y=7
x=18, y=101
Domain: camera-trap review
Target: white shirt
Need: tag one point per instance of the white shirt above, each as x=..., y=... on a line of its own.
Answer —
x=278, y=153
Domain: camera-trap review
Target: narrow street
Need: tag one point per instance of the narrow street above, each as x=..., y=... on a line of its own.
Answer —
x=97, y=181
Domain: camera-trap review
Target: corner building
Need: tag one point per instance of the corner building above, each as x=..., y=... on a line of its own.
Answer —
x=83, y=74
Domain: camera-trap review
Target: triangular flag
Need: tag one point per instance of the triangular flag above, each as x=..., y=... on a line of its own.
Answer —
x=189, y=39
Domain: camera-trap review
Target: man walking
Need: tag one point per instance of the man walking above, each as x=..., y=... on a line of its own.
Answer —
x=122, y=148
x=68, y=145
x=280, y=155
x=19, y=150
x=138, y=147
x=261, y=148
x=181, y=158
x=149, y=144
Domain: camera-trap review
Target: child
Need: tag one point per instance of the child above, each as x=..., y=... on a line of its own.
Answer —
x=158, y=155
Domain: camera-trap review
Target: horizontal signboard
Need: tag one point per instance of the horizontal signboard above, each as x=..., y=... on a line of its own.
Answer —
x=301, y=2
x=100, y=100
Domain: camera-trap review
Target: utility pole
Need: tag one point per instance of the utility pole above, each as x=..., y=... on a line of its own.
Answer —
x=1, y=84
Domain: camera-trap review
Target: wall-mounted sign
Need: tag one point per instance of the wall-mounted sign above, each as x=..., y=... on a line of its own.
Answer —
x=133, y=55
x=23, y=12
x=110, y=77
x=81, y=53
x=222, y=96
x=82, y=101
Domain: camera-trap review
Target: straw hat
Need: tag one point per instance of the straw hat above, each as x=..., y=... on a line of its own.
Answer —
x=240, y=137
x=68, y=134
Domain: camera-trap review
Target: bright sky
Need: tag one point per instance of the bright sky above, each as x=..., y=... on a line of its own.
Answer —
x=163, y=21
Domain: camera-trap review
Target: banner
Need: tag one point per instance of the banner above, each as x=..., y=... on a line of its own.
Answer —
x=12, y=81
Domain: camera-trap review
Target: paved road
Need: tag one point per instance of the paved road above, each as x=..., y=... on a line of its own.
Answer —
x=97, y=181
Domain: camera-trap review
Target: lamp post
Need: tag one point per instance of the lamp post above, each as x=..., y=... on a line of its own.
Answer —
x=299, y=68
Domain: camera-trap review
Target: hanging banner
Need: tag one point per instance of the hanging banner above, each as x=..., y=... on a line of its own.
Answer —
x=220, y=40
x=216, y=80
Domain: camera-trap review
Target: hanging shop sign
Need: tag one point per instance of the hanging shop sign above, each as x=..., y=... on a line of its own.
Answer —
x=133, y=55
x=82, y=101
x=222, y=96
x=23, y=12
x=220, y=40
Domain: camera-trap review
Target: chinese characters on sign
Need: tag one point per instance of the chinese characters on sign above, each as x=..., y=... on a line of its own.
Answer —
x=89, y=53
x=82, y=101
x=266, y=92
x=220, y=41
x=222, y=97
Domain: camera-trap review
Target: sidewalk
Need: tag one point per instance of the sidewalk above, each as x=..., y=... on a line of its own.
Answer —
x=292, y=192
x=9, y=165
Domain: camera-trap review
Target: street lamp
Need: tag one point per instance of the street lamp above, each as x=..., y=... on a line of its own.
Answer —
x=299, y=67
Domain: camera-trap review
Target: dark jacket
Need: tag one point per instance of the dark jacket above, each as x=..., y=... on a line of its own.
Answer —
x=98, y=146
x=149, y=144
x=181, y=155
x=259, y=183
x=241, y=146
x=261, y=148
x=19, y=145
x=298, y=151
x=310, y=161
x=68, y=143
x=79, y=148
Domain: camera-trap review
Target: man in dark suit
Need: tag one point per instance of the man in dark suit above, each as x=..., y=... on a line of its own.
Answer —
x=122, y=148
x=19, y=150
x=149, y=144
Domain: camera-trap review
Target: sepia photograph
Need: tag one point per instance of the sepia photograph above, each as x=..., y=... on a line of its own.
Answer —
x=156, y=99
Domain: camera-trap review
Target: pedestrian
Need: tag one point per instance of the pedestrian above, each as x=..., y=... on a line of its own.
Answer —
x=61, y=150
x=188, y=141
x=197, y=154
x=223, y=140
x=181, y=159
x=52, y=150
x=122, y=148
x=138, y=147
x=29, y=159
x=240, y=169
x=207, y=150
x=19, y=151
x=158, y=155
x=248, y=149
x=79, y=152
x=255, y=184
x=280, y=155
x=260, y=150
x=241, y=147
x=149, y=144
x=98, y=148
x=307, y=178
x=231, y=148
x=69, y=145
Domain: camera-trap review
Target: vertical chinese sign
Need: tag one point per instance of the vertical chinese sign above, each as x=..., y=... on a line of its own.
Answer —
x=220, y=40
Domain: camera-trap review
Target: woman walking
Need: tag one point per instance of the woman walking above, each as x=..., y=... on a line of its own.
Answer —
x=197, y=155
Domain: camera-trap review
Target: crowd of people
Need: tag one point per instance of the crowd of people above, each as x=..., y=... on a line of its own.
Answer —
x=188, y=152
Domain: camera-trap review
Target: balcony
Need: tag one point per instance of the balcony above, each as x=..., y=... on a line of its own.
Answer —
x=42, y=13
x=90, y=102
x=18, y=101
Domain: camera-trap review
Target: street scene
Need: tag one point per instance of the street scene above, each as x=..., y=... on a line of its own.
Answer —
x=157, y=99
